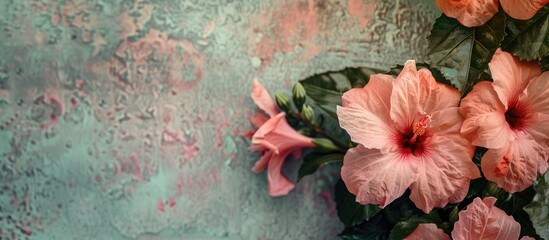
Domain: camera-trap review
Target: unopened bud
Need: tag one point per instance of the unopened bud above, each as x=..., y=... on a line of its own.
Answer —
x=325, y=143
x=305, y=131
x=308, y=113
x=282, y=102
x=298, y=94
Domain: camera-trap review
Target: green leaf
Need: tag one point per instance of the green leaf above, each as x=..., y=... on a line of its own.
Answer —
x=544, y=64
x=479, y=153
x=462, y=54
x=404, y=228
x=538, y=209
x=349, y=211
x=313, y=161
x=513, y=204
x=476, y=186
x=528, y=39
x=401, y=209
x=378, y=228
x=329, y=125
x=327, y=88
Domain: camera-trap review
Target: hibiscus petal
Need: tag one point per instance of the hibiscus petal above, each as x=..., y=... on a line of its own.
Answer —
x=417, y=92
x=483, y=221
x=262, y=99
x=469, y=13
x=484, y=114
x=515, y=167
x=511, y=76
x=460, y=194
x=259, y=139
x=262, y=163
x=522, y=9
x=537, y=94
x=538, y=127
x=443, y=171
x=427, y=231
x=435, y=96
x=489, y=130
x=374, y=177
x=366, y=128
x=405, y=96
x=375, y=97
x=447, y=122
x=279, y=185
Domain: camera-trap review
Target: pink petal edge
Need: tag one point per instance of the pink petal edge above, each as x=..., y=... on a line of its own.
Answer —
x=426, y=231
x=375, y=177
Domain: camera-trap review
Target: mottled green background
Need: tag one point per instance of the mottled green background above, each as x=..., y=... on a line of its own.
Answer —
x=123, y=119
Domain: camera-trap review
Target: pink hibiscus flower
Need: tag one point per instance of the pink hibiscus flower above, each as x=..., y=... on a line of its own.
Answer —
x=484, y=221
x=473, y=13
x=275, y=139
x=407, y=130
x=510, y=117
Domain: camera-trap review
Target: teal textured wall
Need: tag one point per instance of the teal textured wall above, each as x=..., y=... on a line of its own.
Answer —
x=123, y=119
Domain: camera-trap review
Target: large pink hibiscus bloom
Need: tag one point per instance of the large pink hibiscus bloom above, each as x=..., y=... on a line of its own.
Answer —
x=275, y=139
x=510, y=117
x=407, y=130
x=472, y=13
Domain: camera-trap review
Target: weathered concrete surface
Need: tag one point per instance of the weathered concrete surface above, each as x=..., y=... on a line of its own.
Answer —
x=123, y=119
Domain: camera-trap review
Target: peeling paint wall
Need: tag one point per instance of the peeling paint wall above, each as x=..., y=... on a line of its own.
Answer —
x=124, y=119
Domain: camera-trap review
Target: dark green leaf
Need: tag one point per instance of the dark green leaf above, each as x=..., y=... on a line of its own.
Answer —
x=404, y=228
x=313, y=161
x=329, y=124
x=528, y=39
x=462, y=54
x=401, y=209
x=537, y=209
x=476, y=186
x=513, y=204
x=378, y=228
x=479, y=153
x=526, y=226
x=544, y=64
x=349, y=211
x=327, y=88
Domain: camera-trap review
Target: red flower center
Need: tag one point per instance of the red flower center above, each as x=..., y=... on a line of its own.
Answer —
x=515, y=117
x=411, y=141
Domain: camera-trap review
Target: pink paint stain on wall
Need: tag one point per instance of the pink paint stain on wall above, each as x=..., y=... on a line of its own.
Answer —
x=182, y=64
x=134, y=18
x=53, y=107
x=283, y=28
x=186, y=147
x=362, y=11
x=196, y=185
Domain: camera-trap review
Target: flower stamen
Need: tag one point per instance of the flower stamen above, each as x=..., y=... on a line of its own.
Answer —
x=420, y=126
